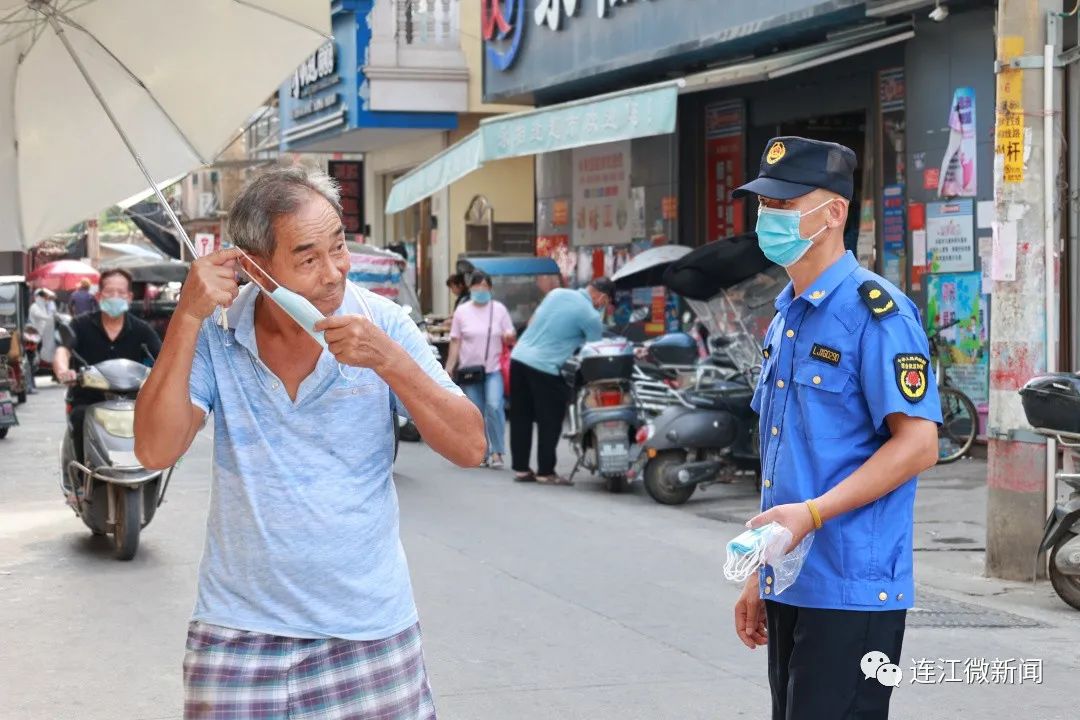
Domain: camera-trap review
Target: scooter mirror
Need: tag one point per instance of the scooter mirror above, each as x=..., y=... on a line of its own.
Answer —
x=65, y=334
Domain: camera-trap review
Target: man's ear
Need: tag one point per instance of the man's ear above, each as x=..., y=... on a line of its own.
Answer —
x=838, y=211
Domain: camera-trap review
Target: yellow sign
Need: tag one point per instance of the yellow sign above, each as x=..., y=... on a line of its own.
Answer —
x=1009, y=136
x=776, y=153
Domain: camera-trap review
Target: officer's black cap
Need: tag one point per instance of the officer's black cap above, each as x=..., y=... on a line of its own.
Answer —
x=793, y=166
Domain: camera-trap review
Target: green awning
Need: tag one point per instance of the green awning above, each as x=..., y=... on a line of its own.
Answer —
x=641, y=112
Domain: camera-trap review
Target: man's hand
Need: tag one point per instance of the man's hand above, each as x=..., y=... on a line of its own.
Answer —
x=355, y=340
x=795, y=517
x=210, y=282
x=67, y=377
x=750, y=616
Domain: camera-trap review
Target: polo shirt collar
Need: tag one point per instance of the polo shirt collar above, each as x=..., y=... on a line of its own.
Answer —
x=824, y=285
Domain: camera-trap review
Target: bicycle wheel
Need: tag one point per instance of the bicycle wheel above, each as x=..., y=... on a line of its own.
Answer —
x=959, y=424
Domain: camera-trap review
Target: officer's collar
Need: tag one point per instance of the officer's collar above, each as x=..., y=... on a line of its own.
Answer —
x=824, y=285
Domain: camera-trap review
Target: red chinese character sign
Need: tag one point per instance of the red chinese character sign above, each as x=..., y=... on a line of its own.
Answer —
x=501, y=25
x=725, y=167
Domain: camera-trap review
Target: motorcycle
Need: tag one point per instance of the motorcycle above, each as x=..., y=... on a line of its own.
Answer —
x=711, y=436
x=8, y=418
x=1052, y=406
x=109, y=489
x=603, y=414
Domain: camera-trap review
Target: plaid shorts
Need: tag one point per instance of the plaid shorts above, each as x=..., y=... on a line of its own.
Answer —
x=239, y=675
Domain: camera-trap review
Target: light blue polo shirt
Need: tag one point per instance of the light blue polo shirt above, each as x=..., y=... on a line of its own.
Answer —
x=565, y=321
x=833, y=370
x=302, y=535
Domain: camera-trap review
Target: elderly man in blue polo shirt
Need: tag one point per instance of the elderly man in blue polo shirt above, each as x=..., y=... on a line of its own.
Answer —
x=848, y=408
x=304, y=608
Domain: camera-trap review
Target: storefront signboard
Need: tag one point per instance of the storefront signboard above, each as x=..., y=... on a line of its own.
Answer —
x=1009, y=130
x=958, y=296
x=602, y=194
x=725, y=166
x=950, y=236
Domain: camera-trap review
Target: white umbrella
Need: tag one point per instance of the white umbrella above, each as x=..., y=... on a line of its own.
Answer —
x=100, y=97
x=646, y=268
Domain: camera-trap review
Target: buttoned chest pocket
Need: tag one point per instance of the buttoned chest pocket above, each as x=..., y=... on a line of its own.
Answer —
x=761, y=390
x=826, y=401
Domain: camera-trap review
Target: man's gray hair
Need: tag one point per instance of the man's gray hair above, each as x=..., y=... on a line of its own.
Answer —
x=276, y=192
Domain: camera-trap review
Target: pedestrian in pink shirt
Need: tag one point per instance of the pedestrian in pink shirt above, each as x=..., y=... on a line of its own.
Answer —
x=478, y=332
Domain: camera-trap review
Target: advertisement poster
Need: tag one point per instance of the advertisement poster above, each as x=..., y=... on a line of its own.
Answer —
x=893, y=235
x=958, y=177
x=958, y=296
x=637, y=214
x=865, y=250
x=206, y=243
x=1009, y=129
x=950, y=236
x=557, y=247
x=560, y=213
x=892, y=104
x=602, y=194
x=725, y=163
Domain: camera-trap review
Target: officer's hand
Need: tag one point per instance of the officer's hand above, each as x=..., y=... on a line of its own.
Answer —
x=750, y=616
x=210, y=282
x=795, y=517
x=68, y=377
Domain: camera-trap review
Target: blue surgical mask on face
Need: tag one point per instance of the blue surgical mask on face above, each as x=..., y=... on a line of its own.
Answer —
x=779, y=236
x=481, y=297
x=300, y=309
x=114, y=307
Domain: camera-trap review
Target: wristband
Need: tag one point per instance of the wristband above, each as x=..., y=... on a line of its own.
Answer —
x=814, y=514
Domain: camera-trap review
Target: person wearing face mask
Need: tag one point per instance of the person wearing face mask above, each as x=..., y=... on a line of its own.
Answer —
x=478, y=331
x=564, y=321
x=43, y=319
x=849, y=407
x=304, y=605
x=108, y=333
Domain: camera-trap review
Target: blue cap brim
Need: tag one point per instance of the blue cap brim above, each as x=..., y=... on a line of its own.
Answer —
x=772, y=188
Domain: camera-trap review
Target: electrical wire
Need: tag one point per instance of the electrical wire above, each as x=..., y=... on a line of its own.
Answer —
x=1073, y=11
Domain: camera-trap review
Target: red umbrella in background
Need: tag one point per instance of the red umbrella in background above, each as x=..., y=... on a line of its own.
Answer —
x=63, y=275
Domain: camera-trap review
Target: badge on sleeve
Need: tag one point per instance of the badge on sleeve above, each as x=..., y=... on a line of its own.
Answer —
x=877, y=299
x=911, y=376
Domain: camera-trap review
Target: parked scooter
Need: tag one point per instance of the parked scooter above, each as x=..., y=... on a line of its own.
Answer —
x=712, y=436
x=109, y=489
x=8, y=418
x=603, y=414
x=1052, y=406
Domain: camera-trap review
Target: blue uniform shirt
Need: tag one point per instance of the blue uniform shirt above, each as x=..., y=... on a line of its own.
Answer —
x=838, y=360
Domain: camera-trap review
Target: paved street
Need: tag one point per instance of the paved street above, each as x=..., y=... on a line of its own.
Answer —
x=537, y=602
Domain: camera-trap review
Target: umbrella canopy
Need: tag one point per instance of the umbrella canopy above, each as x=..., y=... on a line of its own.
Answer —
x=63, y=275
x=179, y=96
x=646, y=269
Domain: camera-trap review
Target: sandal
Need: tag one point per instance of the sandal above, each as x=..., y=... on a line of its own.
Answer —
x=553, y=480
x=525, y=477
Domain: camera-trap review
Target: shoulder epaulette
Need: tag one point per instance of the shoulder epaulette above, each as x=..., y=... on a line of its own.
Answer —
x=877, y=299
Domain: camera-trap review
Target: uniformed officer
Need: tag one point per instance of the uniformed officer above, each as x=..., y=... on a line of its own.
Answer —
x=849, y=409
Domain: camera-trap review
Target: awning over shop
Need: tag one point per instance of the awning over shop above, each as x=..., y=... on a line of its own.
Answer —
x=641, y=112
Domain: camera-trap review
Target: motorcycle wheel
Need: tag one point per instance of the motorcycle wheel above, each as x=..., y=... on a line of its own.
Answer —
x=128, y=523
x=658, y=488
x=1066, y=586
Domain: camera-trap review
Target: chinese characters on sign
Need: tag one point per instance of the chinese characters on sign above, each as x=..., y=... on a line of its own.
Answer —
x=977, y=671
x=350, y=178
x=602, y=194
x=724, y=167
x=1009, y=140
x=551, y=12
x=501, y=25
x=893, y=233
x=950, y=236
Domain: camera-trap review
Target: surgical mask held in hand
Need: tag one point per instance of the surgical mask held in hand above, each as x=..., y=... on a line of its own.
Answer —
x=765, y=545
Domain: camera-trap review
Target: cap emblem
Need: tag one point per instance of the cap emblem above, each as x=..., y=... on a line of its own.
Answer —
x=776, y=153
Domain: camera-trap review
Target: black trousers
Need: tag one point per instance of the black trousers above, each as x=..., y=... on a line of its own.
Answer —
x=535, y=398
x=815, y=661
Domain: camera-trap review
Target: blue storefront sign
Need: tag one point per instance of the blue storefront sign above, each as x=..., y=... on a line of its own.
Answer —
x=327, y=94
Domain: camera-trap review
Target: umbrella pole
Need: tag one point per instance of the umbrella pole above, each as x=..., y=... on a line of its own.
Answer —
x=120, y=131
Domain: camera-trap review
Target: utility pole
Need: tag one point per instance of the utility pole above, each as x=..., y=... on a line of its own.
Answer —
x=1024, y=322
